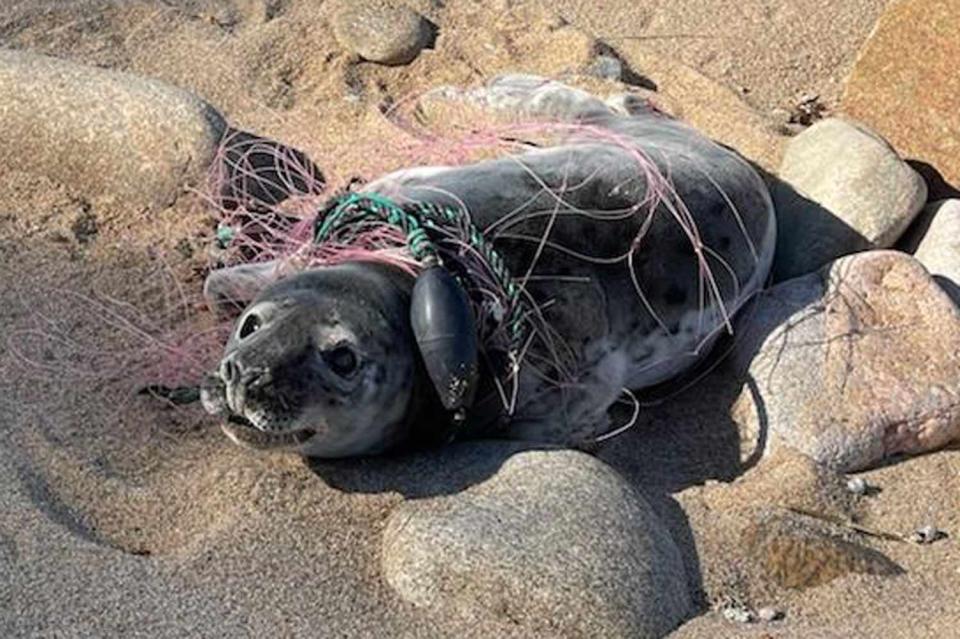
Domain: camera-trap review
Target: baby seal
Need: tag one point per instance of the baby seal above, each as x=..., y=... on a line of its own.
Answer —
x=332, y=361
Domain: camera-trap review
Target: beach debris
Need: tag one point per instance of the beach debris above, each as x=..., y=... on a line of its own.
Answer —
x=857, y=486
x=796, y=550
x=84, y=227
x=738, y=613
x=768, y=614
x=927, y=535
x=807, y=110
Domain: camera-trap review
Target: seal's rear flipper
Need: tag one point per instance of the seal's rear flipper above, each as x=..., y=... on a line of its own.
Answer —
x=256, y=173
x=530, y=96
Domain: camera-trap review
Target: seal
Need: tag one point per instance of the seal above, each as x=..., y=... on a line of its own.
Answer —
x=627, y=247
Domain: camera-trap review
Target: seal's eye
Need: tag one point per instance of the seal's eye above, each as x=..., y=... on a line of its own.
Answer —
x=341, y=360
x=249, y=326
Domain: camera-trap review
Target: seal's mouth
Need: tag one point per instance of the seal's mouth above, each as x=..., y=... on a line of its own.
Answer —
x=243, y=432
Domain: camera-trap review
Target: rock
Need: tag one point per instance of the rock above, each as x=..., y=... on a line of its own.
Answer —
x=927, y=535
x=554, y=541
x=606, y=67
x=800, y=552
x=842, y=189
x=935, y=242
x=738, y=614
x=103, y=134
x=912, y=99
x=381, y=31
x=851, y=364
x=857, y=486
x=769, y=614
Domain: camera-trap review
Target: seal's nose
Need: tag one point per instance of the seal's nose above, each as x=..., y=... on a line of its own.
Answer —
x=241, y=380
x=234, y=372
x=231, y=370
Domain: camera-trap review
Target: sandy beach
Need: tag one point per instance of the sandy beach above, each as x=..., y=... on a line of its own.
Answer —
x=120, y=516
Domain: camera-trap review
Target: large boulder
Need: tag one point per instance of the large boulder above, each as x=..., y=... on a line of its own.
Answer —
x=104, y=134
x=555, y=541
x=910, y=97
x=842, y=189
x=851, y=364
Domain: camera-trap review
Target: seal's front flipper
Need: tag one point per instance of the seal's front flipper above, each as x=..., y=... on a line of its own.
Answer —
x=178, y=396
x=228, y=290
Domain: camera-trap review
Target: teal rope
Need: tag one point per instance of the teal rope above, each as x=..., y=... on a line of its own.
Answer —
x=415, y=221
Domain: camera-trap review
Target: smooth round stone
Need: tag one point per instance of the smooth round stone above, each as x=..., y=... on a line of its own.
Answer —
x=104, y=134
x=769, y=614
x=381, y=31
x=841, y=189
x=606, y=67
x=852, y=364
x=554, y=541
x=935, y=242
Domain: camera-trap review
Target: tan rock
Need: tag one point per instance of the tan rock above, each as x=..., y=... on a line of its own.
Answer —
x=783, y=524
x=381, y=31
x=905, y=83
x=841, y=189
x=852, y=364
x=795, y=551
x=104, y=134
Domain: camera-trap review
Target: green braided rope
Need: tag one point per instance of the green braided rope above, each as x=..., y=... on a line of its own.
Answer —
x=355, y=208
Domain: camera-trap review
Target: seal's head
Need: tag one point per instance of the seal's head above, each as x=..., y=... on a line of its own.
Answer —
x=321, y=363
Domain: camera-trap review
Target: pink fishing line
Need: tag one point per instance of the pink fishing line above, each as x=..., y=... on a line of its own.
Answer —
x=176, y=350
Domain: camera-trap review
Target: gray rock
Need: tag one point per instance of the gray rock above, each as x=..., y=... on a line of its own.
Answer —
x=738, y=614
x=103, y=134
x=936, y=243
x=769, y=614
x=857, y=486
x=927, y=535
x=606, y=67
x=381, y=31
x=554, y=541
x=852, y=364
x=841, y=189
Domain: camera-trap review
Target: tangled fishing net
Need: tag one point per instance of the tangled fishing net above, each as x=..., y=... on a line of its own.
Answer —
x=265, y=199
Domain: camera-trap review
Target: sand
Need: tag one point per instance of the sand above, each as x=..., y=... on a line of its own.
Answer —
x=119, y=517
